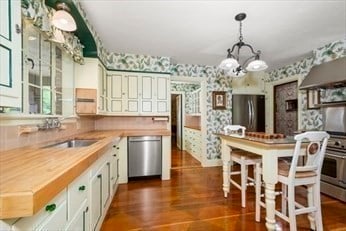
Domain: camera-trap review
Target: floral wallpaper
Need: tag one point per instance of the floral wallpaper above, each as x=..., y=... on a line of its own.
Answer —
x=138, y=63
x=312, y=119
x=40, y=15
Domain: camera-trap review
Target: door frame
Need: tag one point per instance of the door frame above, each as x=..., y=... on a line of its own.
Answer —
x=269, y=105
x=202, y=81
x=182, y=94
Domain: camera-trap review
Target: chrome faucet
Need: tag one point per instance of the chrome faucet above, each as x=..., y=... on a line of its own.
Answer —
x=49, y=124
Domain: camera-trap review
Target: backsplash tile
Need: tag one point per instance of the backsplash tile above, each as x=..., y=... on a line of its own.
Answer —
x=129, y=122
x=10, y=138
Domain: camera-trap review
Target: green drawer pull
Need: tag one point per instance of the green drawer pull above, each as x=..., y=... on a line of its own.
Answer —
x=81, y=188
x=50, y=208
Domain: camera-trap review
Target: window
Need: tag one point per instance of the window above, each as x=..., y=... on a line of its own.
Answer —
x=46, y=69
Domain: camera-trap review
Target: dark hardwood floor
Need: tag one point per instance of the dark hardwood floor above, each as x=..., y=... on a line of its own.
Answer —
x=193, y=200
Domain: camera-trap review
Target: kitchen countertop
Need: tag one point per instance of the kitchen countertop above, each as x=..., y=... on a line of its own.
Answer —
x=31, y=176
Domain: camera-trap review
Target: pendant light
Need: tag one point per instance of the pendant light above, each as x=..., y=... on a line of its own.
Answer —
x=231, y=64
x=62, y=19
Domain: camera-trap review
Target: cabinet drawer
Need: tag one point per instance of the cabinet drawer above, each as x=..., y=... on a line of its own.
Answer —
x=57, y=213
x=77, y=192
x=56, y=221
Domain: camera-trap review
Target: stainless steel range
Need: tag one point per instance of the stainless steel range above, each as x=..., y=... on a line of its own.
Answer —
x=333, y=175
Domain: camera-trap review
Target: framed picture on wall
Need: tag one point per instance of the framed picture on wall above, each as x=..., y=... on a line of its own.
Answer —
x=219, y=100
x=313, y=99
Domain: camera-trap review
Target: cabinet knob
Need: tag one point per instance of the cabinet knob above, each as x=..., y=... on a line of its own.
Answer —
x=51, y=207
x=114, y=146
x=81, y=188
x=18, y=29
x=114, y=154
x=99, y=175
x=87, y=209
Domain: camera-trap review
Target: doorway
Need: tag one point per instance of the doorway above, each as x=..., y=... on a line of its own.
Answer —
x=184, y=102
x=286, y=108
x=177, y=120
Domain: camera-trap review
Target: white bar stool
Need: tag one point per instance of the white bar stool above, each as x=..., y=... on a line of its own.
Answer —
x=298, y=174
x=244, y=159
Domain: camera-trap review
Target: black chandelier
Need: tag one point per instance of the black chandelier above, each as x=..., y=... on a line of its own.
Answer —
x=231, y=64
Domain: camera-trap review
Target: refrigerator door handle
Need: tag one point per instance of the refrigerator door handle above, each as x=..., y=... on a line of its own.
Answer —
x=253, y=114
x=250, y=114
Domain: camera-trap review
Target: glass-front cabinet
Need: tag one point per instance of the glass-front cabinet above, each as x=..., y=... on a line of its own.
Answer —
x=10, y=55
x=47, y=75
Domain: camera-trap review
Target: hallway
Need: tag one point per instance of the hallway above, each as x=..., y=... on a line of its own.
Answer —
x=193, y=200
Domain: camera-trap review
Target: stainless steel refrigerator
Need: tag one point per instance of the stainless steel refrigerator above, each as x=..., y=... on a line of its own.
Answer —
x=249, y=111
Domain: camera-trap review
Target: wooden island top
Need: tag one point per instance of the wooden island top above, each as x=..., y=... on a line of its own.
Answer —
x=31, y=176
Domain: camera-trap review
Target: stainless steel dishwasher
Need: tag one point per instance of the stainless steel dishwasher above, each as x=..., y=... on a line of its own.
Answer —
x=144, y=156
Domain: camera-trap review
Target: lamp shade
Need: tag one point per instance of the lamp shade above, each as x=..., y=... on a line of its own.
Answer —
x=257, y=65
x=228, y=64
x=64, y=21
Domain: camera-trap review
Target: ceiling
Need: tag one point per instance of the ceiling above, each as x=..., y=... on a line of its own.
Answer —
x=199, y=32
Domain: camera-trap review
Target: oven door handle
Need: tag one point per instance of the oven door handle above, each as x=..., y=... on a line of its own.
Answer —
x=335, y=156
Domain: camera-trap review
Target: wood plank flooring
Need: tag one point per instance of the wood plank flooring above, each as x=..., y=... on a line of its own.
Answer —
x=193, y=200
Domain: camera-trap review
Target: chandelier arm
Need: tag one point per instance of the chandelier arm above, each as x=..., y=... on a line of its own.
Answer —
x=252, y=50
x=233, y=47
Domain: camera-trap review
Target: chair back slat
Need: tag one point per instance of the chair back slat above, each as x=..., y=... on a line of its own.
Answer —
x=315, y=152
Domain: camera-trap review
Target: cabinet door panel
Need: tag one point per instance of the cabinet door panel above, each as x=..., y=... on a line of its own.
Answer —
x=115, y=86
x=162, y=91
x=106, y=187
x=80, y=222
x=96, y=200
x=116, y=92
x=147, y=106
x=147, y=90
x=116, y=105
x=132, y=106
x=77, y=193
x=132, y=87
x=162, y=106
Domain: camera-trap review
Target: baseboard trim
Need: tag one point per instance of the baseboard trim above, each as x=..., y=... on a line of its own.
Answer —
x=212, y=163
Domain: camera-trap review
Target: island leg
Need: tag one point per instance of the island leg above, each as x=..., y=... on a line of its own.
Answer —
x=225, y=156
x=270, y=206
x=270, y=178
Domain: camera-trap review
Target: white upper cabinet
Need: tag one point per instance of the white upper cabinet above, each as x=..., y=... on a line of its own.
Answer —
x=163, y=93
x=10, y=53
x=92, y=75
x=138, y=93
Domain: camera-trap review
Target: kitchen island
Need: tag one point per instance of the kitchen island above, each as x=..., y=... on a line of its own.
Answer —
x=270, y=150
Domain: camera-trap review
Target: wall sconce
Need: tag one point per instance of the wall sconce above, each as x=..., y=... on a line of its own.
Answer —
x=62, y=19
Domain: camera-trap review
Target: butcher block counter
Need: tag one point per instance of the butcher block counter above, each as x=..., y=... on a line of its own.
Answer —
x=31, y=176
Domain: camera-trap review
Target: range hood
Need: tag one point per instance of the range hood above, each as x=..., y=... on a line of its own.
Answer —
x=327, y=75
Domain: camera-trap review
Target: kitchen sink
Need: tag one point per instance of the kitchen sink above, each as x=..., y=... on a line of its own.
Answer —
x=74, y=143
